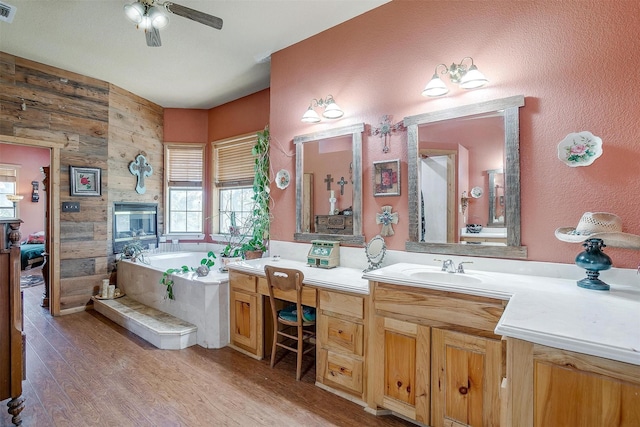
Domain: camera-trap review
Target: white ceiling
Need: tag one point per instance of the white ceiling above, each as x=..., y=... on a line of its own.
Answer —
x=196, y=66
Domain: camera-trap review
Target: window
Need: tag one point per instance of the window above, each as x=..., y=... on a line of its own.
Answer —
x=233, y=178
x=184, y=171
x=8, y=179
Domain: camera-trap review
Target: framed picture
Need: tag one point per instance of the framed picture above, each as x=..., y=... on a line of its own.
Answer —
x=386, y=178
x=85, y=181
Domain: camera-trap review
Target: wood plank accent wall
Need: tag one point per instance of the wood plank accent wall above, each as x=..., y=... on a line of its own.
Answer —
x=88, y=116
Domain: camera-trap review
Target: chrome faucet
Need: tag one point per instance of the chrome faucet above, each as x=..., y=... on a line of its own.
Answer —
x=448, y=265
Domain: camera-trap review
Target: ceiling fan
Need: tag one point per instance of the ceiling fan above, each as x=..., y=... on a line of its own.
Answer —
x=150, y=15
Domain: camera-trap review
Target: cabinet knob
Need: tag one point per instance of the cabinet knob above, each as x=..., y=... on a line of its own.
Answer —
x=463, y=390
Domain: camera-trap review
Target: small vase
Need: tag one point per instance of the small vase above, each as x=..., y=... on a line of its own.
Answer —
x=593, y=260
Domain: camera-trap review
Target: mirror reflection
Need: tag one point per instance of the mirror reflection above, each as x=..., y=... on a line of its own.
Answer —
x=464, y=180
x=329, y=185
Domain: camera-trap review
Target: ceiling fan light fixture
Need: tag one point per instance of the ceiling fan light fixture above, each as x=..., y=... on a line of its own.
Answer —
x=135, y=12
x=158, y=19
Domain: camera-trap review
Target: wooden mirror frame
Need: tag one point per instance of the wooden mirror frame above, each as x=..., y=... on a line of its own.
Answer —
x=356, y=131
x=510, y=108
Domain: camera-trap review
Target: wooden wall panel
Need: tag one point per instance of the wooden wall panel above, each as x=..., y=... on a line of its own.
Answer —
x=100, y=125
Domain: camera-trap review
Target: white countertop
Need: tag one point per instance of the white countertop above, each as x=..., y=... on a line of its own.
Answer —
x=338, y=278
x=549, y=311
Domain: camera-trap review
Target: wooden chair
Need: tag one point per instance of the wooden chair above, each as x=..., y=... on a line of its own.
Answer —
x=297, y=331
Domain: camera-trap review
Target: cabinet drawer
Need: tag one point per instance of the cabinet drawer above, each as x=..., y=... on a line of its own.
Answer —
x=348, y=305
x=438, y=307
x=308, y=294
x=242, y=281
x=341, y=335
x=341, y=370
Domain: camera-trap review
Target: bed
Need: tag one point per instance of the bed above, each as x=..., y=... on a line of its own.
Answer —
x=31, y=255
x=31, y=251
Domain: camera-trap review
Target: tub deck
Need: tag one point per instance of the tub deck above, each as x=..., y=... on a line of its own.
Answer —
x=163, y=330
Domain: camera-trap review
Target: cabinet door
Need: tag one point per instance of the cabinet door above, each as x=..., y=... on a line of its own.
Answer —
x=466, y=375
x=245, y=312
x=565, y=396
x=402, y=361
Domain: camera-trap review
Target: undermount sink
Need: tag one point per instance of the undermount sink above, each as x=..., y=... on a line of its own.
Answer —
x=437, y=276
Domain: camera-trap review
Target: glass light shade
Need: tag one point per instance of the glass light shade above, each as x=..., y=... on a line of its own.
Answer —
x=158, y=18
x=332, y=111
x=14, y=197
x=134, y=11
x=435, y=87
x=473, y=79
x=310, y=116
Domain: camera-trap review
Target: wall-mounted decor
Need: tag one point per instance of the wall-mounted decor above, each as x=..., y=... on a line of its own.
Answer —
x=579, y=149
x=140, y=168
x=85, y=181
x=386, y=178
x=386, y=129
x=386, y=218
x=282, y=179
x=34, y=192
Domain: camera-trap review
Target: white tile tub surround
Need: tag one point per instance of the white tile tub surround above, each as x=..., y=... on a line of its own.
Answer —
x=203, y=301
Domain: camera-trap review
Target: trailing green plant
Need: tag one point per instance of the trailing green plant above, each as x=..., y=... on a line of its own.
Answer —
x=261, y=193
x=167, y=281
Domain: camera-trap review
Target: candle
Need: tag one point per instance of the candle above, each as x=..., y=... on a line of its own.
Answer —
x=333, y=194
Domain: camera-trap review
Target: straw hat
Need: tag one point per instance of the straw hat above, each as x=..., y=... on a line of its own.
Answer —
x=599, y=225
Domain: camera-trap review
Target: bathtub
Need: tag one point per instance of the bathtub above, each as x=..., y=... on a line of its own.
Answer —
x=203, y=301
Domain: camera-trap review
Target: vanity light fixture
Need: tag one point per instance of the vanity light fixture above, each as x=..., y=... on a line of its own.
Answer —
x=467, y=78
x=331, y=110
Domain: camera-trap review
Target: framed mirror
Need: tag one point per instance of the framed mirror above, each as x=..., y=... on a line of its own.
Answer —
x=329, y=185
x=375, y=251
x=449, y=155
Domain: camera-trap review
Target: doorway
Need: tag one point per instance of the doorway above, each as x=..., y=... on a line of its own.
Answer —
x=52, y=217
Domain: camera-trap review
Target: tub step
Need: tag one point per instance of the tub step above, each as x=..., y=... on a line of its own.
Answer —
x=163, y=330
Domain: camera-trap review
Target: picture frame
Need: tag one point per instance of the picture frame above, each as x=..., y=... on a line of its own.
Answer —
x=85, y=181
x=386, y=178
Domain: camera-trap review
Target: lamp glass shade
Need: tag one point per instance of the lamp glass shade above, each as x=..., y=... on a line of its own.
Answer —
x=158, y=18
x=332, y=111
x=310, y=116
x=435, y=87
x=134, y=11
x=473, y=79
x=14, y=197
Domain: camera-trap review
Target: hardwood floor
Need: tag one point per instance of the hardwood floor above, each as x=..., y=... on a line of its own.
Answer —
x=84, y=370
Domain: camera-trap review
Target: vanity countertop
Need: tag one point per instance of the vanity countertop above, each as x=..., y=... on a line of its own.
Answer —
x=548, y=311
x=339, y=278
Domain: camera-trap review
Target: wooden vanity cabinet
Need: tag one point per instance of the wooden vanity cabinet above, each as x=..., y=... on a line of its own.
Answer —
x=434, y=356
x=246, y=311
x=340, y=327
x=551, y=387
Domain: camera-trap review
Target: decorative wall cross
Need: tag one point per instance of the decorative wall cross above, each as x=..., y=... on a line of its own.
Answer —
x=386, y=218
x=140, y=168
x=386, y=129
x=341, y=183
x=328, y=180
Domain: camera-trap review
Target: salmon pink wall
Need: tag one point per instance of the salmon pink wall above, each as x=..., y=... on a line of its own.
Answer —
x=574, y=61
x=242, y=116
x=30, y=159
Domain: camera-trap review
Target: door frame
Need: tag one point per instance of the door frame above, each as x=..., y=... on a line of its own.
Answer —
x=53, y=236
x=452, y=178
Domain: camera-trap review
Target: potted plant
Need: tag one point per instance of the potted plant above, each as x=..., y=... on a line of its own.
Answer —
x=256, y=245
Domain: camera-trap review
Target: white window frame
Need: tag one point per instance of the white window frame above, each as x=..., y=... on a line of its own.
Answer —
x=168, y=187
x=16, y=206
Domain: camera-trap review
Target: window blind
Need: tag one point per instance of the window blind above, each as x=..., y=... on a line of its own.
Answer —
x=184, y=164
x=8, y=174
x=234, y=162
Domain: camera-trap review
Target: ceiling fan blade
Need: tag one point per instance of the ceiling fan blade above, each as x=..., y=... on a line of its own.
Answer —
x=194, y=15
x=153, y=37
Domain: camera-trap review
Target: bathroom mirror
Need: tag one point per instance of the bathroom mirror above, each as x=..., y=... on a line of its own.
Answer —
x=375, y=251
x=329, y=166
x=446, y=203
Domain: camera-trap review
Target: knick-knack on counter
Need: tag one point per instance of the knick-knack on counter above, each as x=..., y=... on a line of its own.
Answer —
x=593, y=260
